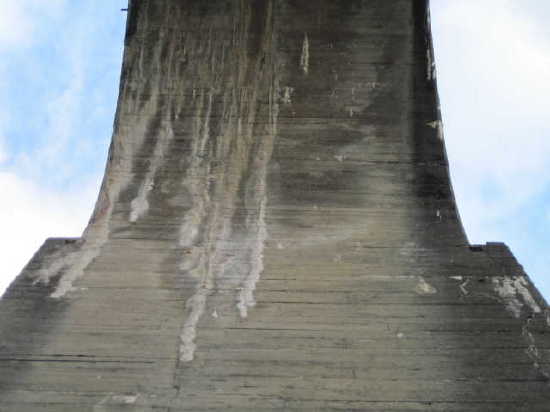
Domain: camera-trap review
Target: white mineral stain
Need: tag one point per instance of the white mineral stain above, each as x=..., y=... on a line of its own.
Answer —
x=206, y=125
x=532, y=350
x=246, y=296
x=463, y=285
x=189, y=229
x=304, y=59
x=287, y=95
x=196, y=261
x=437, y=124
x=111, y=400
x=424, y=288
x=59, y=260
x=195, y=306
x=140, y=205
x=430, y=69
x=80, y=262
x=126, y=399
x=464, y=282
x=521, y=286
x=505, y=289
x=511, y=289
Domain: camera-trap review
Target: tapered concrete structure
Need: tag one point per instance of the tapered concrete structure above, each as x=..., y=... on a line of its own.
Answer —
x=276, y=230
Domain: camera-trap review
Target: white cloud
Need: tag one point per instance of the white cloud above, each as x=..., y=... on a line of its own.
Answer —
x=19, y=20
x=16, y=27
x=29, y=214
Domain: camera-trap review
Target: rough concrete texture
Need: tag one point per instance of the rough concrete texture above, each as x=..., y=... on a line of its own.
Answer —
x=276, y=231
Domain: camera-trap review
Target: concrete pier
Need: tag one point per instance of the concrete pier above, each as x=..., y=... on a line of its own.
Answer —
x=276, y=230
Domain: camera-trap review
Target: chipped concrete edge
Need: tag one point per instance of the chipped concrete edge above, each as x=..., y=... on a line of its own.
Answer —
x=498, y=251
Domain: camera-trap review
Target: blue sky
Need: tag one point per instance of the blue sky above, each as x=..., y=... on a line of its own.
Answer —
x=59, y=70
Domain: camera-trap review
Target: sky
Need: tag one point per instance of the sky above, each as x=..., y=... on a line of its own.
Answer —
x=59, y=72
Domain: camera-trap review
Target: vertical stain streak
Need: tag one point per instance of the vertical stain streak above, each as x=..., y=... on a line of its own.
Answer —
x=140, y=204
x=227, y=156
x=246, y=296
x=304, y=58
x=257, y=200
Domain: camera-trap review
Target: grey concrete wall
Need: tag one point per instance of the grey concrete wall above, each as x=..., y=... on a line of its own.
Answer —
x=276, y=230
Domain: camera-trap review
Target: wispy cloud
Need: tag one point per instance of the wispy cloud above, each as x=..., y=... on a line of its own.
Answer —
x=20, y=20
x=16, y=28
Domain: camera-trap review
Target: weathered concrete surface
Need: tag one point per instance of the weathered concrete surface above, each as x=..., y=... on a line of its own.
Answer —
x=276, y=231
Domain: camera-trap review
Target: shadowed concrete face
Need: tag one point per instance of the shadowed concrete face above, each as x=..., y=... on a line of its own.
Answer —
x=276, y=230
